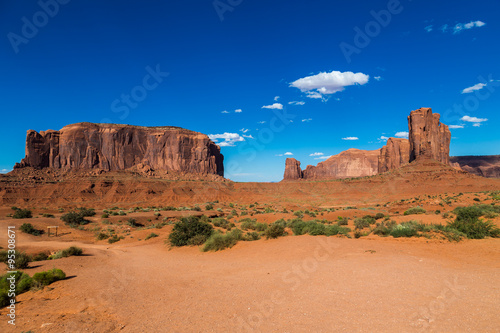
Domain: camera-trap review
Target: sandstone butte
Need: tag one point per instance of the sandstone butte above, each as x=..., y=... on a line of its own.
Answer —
x=111, y=147
x=428, y=139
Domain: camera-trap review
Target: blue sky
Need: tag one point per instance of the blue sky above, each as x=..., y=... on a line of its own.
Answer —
x=355, y=69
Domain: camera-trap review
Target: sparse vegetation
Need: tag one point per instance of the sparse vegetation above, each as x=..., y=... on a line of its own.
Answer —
x=468, y=222
x=18, y=259
x=71, y=251
x=219, y=241
x=28, y=228
x=415, y=210
x=151, y=235
x=275, y=230
x=187, y=228
x=21, y=213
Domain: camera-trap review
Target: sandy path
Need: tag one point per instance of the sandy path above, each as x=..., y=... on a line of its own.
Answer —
x=293, y=284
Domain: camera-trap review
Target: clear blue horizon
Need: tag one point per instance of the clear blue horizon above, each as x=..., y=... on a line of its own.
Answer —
x=266, y=80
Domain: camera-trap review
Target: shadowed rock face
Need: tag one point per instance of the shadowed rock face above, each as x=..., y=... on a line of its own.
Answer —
x=292, y=169
x=118, y=147
x=394, y=154
x=428, y=138
x=348, y=164
x=485, y=166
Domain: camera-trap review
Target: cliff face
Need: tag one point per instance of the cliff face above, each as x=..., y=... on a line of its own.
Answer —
x=119, y=147
x=292, y=169
x=428, y=138
x=394, y=154
x=485, y=166
x=348, y=164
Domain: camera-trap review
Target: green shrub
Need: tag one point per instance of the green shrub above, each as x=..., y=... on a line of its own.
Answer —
x=102, y=236
x=474, y=228
x=415, y=210
x=405, y=229
x=21, y=213
x=74, y=219
x=115, y=239
x=40, y=257
x=218, y=241
x=222, y=223
x=274, y=231
x=209, y=207
x=151, y=235
x=476, y=199
x=379, y=216
x=252, y=236
x=19, y=260
x=133, y=223
x=48, y=215
x=42, y=279
x=187, y=228
x=364, y=222
x=71, y=251
x=30, y=229
x=342, y=221
x=105, y=215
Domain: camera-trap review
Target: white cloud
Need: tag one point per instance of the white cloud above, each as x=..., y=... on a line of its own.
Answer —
x=261, y=122
x=224, y=112
x=244, y=130
x=473, y=119
x=429, y=28
x=383, y=138
x=314, y=95
x=288, y=154
x=276, y=98
x=475, y=87
x=456, y=126
x=238, y=110
x=403, y=135
x=316, y=154
x=477, y=125
x=351, y=138
x=306, y=120
x=5, y=171
x=276, y=106
x=316, y=86
x=296, y=103
x=229, y=139
x=248, y=136
x=466, y=26
x=323, y=157
x=378, y=78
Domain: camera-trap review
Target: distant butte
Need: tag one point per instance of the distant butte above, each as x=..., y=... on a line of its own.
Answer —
x=429, y=139
x=112, y=147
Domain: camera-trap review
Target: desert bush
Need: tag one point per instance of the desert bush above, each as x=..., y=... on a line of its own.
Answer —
x=405, y=229
x=209, y=207
x=114, y=239
x=43, y=279
x=71, y=251
x=222, y=223
x=151, y=235
x=415, y=210
x=342, y=221
x=40, y=257
x=468, y=222
x=274, y=231
x=218, y=241
x=23, y=282
x=74, y=219
x=102, y=236
x=18, y=259
x=364, y=222
x=21, y=213
x=379, y=216
x=105, y=215
x=48, y=215
x=30, y=229
x=187, y=228
x=133, y=223
x=251, y=236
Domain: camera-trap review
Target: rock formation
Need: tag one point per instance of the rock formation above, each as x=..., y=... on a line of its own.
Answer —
x=118, y=147
x=428, y=137
x=347, y=164
x=485, y=166
x=292, y=169
x=394, y=154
